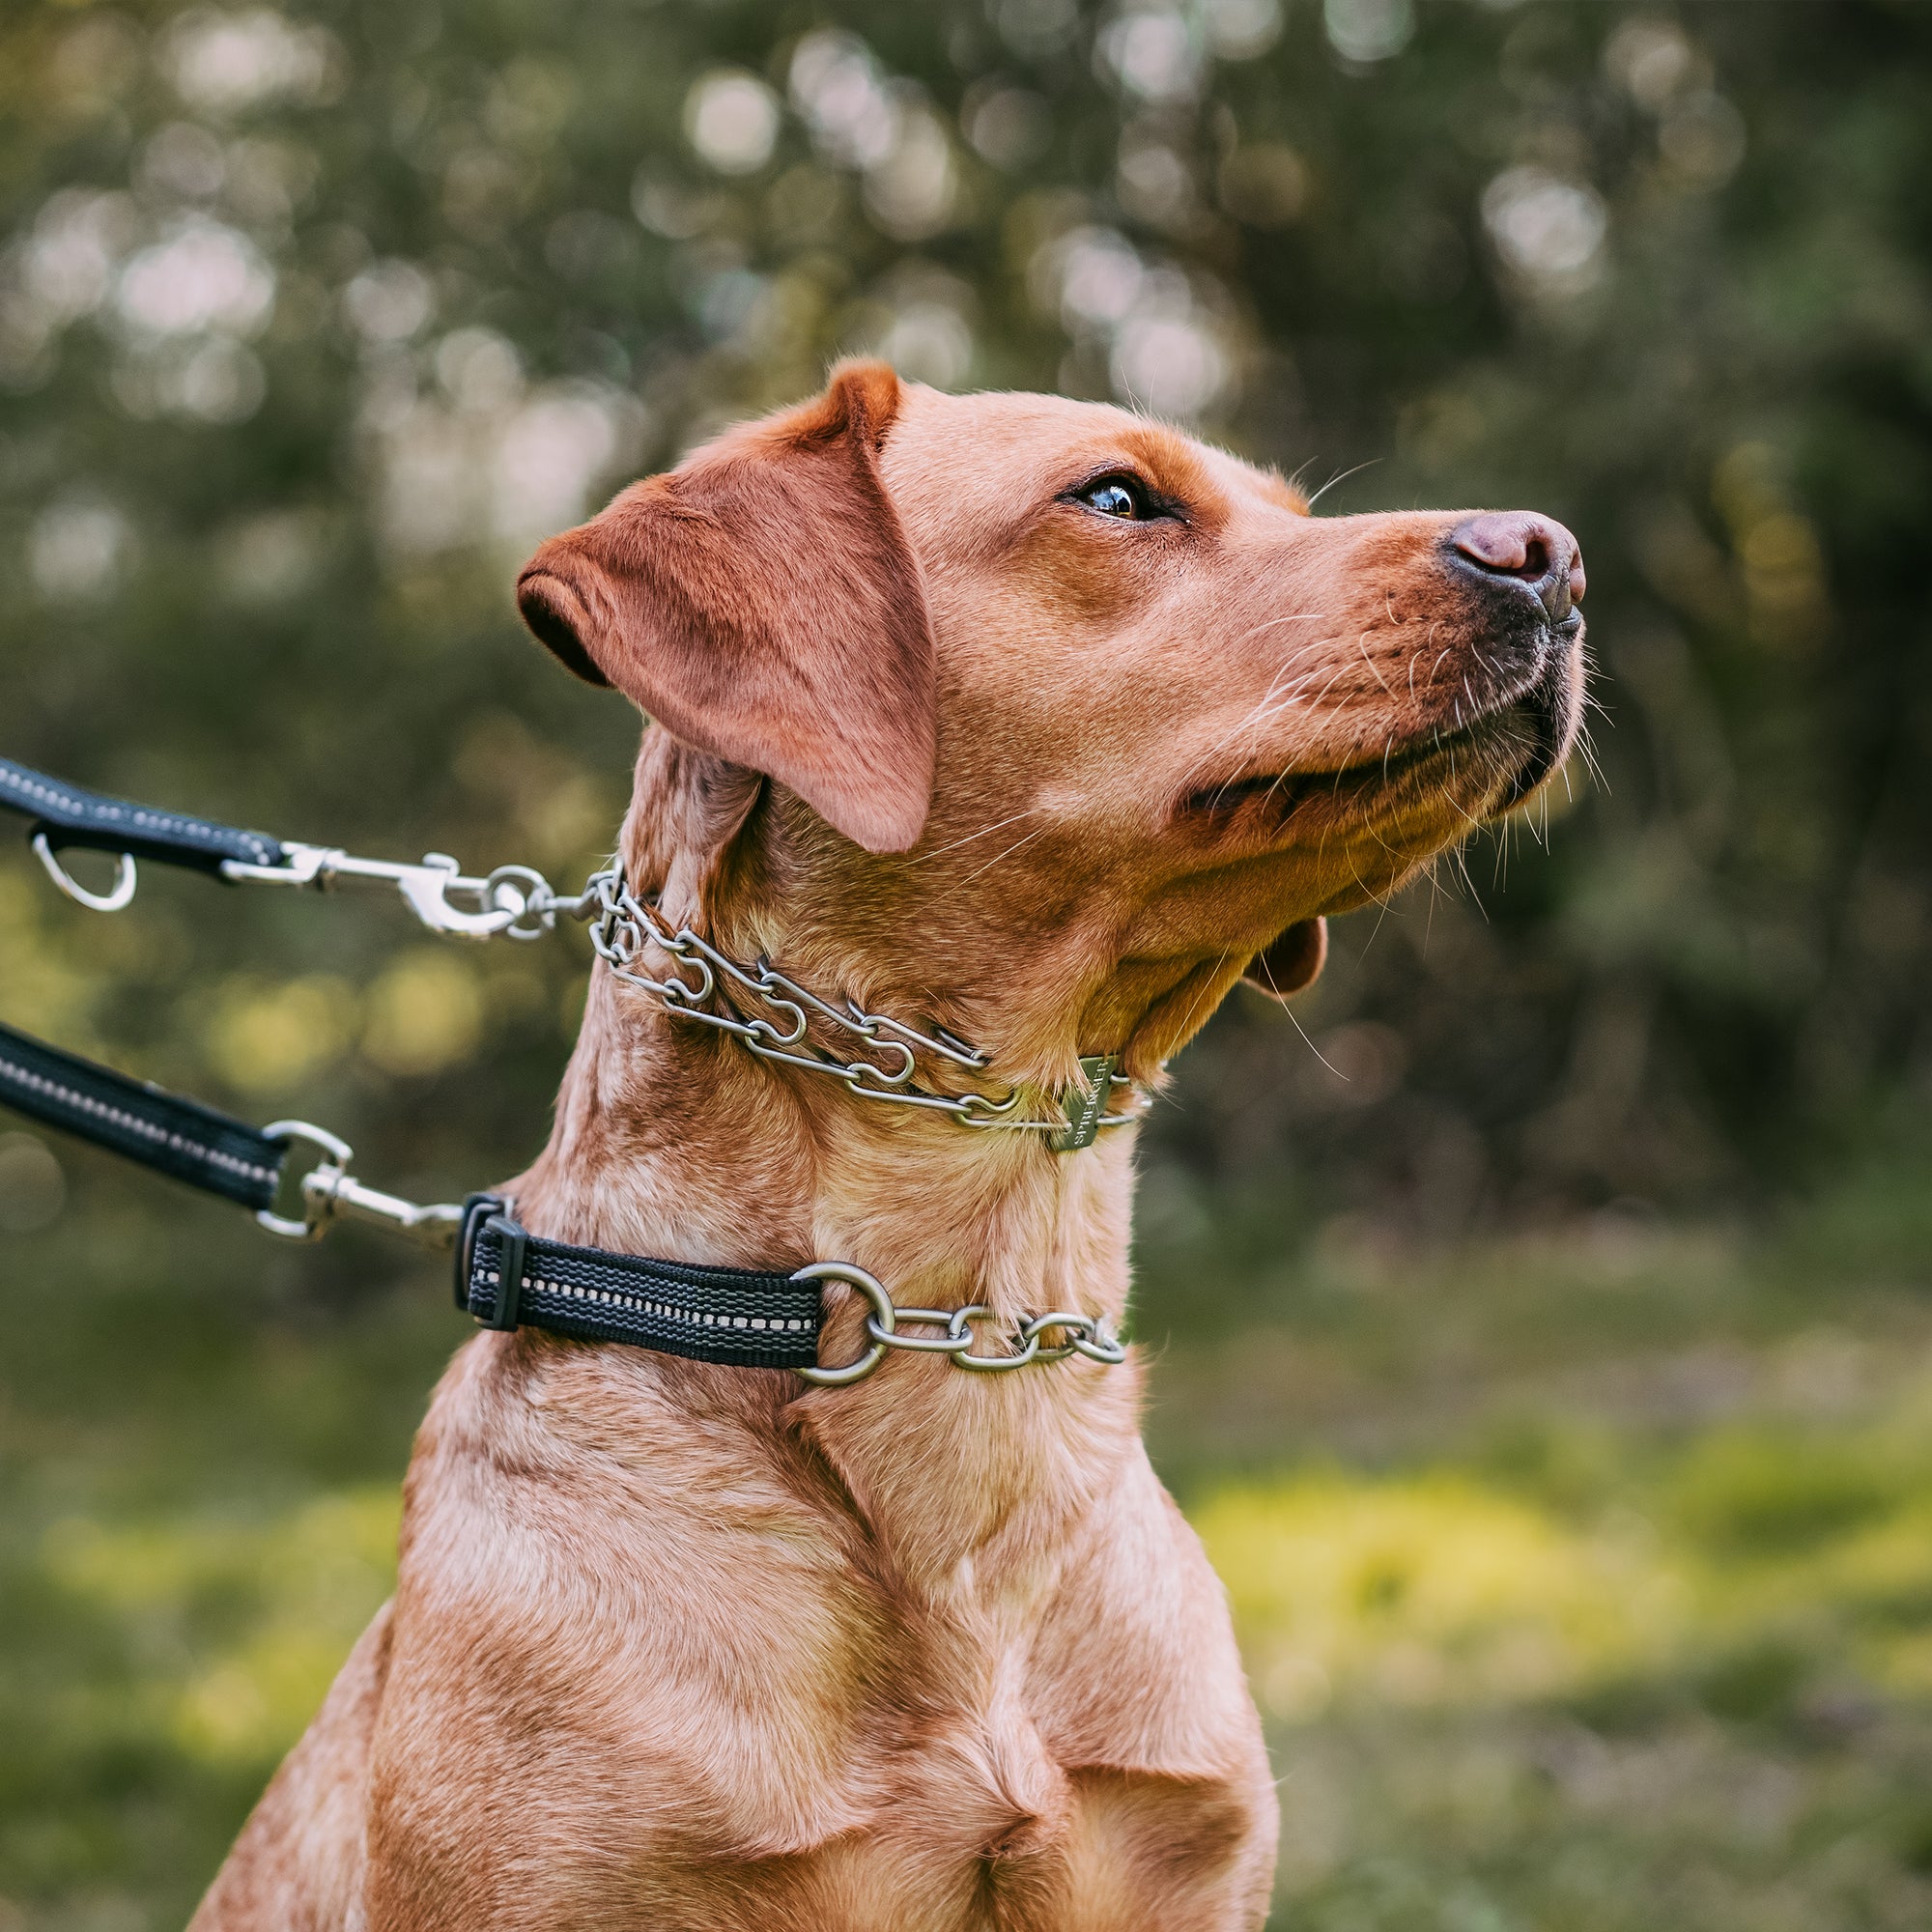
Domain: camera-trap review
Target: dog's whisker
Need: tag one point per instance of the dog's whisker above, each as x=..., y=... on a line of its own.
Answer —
x=1382, y=912
x=998, y=858
x=1588, y=752
x=1368, y=892
x=1269, y=708
x=1362, y=646
x=1342, y=479
x=1269, y=705
x=1201, y=991
x=998, y=825
x=1256, y=629
x=1295, y=1022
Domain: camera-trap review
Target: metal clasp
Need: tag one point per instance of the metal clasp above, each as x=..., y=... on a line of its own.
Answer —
x=513, y=899
x=330, y=1192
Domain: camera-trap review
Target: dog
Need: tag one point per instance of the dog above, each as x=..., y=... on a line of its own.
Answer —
x=1044, y=724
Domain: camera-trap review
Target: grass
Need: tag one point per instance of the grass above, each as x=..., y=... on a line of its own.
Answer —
x=1586, y=1581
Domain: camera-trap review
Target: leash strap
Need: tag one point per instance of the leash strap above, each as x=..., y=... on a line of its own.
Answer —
x=735, y=1316
x=70, y=816
x=742, y=1316
x=513, y=899
x=159, y=1130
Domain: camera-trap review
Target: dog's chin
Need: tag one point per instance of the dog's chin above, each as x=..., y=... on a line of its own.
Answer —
x=1498, y=761
x=1531, y=737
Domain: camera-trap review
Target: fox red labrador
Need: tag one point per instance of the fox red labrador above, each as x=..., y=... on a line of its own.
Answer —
x=1034, y=726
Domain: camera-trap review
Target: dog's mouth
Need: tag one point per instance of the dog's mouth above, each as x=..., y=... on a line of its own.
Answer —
x=1281, y=793
x=1495, y=761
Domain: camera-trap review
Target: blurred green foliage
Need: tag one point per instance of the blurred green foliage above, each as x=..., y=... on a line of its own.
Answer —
x=1578, y=1566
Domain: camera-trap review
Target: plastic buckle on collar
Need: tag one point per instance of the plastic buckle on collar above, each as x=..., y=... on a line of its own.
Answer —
x=493, y=1213
x=477, y=1210
x=511, y=1236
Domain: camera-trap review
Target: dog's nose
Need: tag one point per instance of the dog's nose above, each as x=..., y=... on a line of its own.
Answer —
x=1537, y=551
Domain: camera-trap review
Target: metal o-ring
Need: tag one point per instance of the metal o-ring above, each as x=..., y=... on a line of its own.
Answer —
x=883, y=1313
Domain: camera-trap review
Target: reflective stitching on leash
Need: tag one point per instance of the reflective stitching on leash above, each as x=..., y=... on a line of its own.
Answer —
x=86, y=1103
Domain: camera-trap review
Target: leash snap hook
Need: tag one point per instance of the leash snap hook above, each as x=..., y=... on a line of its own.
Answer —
x=318, y=1185
x=513, y=899
x=331, y=1193
x=499, y=902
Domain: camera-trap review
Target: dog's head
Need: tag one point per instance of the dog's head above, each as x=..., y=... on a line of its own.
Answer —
x=1045, y=721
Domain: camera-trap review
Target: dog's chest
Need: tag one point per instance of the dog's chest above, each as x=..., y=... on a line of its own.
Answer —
x=733, y=1709
x=965, y=1790
x=966, y=1822
x=1117, y=1849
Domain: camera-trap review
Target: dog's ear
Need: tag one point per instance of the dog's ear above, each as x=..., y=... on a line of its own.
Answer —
x=1292, y=961
x=762, y=603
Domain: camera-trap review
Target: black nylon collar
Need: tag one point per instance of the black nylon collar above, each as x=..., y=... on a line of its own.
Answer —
x=743, y=1317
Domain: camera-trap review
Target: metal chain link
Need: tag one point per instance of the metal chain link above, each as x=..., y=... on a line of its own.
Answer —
x=1086, y=1335
x=621, y=925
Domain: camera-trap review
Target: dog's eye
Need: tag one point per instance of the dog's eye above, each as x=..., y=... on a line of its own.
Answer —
x=1117, y=497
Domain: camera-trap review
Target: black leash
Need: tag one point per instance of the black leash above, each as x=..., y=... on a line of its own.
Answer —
x=176, y=1137
x=741, y=1317
x=513, y=901
x=64, y=815
x=505, y=1276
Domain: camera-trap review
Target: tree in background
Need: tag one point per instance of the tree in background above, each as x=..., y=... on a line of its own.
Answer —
x=312, y=321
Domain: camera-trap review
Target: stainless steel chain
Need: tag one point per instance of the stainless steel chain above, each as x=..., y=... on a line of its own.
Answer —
x=1085, y=1335
x=621, y=925
x=518, y=902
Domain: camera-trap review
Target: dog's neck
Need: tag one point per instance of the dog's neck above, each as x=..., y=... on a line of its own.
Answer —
x=670, y=1140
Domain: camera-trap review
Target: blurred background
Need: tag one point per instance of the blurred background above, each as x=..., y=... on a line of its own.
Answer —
x=1543, y=1325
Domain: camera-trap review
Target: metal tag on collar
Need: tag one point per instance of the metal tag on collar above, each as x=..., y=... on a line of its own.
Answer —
x=1083, y=1110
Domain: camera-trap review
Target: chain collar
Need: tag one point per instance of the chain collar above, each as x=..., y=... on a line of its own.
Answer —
x=515, y=902
x=1090, y=1335
x=621, y=925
